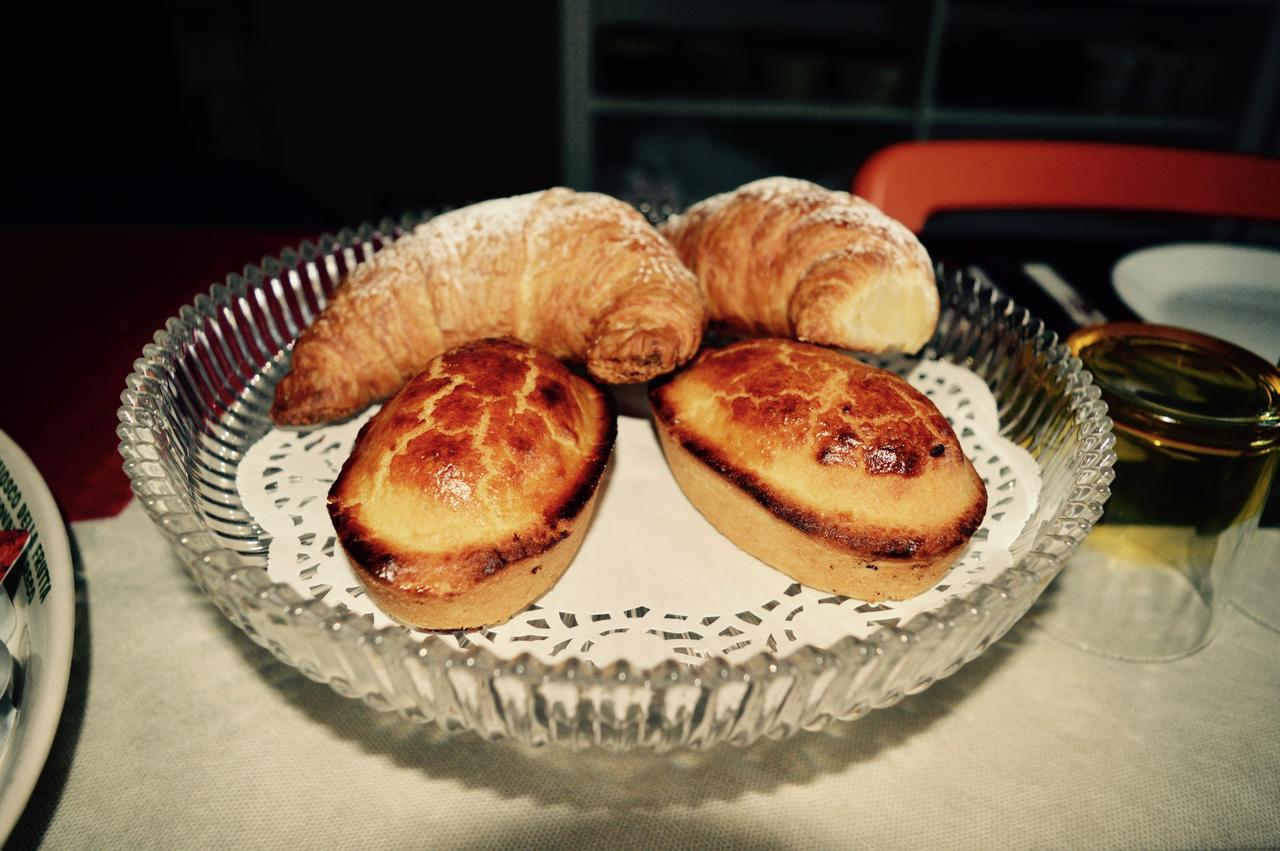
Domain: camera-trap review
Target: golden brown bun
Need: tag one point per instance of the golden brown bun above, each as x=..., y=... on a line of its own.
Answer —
x=581, y=275
x=840, y=475
x=787, y=258
x=467, y=495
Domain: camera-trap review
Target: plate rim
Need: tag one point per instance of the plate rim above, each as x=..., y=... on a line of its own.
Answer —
x=1130, y=281
x=42, y=727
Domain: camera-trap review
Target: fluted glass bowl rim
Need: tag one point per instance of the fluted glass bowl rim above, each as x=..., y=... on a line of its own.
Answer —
x=237, y=585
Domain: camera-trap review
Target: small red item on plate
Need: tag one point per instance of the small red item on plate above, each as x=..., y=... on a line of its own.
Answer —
x=12, y=543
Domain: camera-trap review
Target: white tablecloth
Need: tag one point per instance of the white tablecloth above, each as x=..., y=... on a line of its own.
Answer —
x=179, y=732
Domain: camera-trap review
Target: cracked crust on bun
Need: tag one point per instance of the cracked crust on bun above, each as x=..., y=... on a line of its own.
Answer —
x=841, y=475
x=468, y=494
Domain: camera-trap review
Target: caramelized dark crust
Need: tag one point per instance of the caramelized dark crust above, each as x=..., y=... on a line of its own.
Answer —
x=877, y=542
x=858, y=469
x=465, y=497
x=901, y=542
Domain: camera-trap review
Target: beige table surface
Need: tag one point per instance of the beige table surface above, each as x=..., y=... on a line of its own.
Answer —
x=179, y=732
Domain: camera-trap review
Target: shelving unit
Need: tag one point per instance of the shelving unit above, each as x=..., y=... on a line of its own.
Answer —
x=820, y=74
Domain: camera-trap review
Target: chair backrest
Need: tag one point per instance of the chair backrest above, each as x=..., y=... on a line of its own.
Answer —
x=913, y=180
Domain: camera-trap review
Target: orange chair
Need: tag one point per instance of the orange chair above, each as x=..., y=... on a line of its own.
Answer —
x=913, y=180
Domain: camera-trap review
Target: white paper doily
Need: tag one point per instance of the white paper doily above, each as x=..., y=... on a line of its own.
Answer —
x=653, y=580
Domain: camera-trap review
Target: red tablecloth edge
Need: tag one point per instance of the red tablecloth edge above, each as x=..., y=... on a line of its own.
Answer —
x=80, y=305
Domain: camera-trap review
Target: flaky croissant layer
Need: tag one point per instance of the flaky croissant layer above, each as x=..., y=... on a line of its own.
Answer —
x=787, y=258
x=581, y=275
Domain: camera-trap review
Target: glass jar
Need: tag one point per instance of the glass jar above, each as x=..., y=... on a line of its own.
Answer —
x=1197, y=441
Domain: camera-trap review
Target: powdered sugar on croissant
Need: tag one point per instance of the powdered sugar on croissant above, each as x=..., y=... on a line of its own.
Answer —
x=785, y=257
x=581, y=275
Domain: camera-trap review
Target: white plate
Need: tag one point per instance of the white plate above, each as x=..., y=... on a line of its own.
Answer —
x=42, y=636
x=1227, y=291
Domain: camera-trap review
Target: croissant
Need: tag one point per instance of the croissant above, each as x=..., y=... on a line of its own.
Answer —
x=581, y=275
x=787, y=258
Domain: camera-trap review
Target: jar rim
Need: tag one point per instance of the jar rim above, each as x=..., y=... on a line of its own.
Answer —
x=1252, y=432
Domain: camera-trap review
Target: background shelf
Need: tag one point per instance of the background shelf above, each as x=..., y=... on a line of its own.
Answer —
x=704, y=82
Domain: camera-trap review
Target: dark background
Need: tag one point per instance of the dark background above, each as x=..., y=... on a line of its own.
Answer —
x=153, y=148
x=289, y=115
x=275, y=115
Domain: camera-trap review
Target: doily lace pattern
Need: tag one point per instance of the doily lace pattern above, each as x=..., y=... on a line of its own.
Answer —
x=654, y=580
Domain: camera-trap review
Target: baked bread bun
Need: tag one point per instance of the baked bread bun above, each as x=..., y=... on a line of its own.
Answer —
x=467, y=495
x=581, y=275
x=787, y=258
x=841, y=475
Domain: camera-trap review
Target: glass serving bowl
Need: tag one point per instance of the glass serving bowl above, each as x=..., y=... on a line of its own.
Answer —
x=198, y=399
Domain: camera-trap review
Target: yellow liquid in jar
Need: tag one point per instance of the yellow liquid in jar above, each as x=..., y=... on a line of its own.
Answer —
x=1184, y=485
x=1197, y=425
